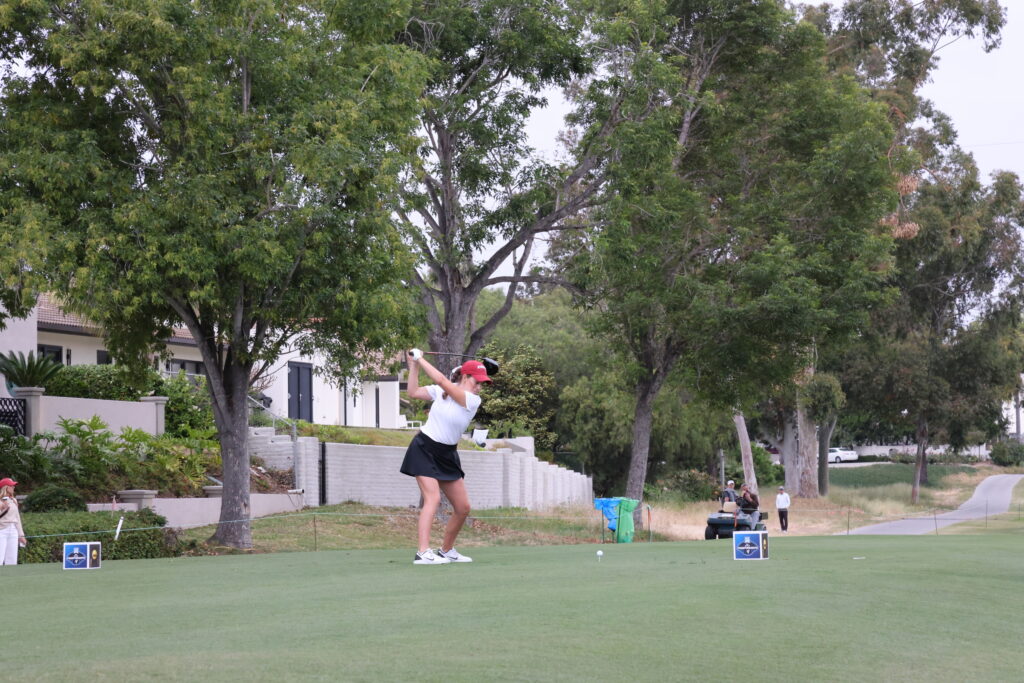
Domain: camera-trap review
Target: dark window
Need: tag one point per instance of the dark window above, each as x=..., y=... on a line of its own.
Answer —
x=103, y=358
x=191, y=367
x=55, y=353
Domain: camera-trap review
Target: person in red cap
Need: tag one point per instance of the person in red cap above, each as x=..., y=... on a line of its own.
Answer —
x=433, y=458
x=11, y=534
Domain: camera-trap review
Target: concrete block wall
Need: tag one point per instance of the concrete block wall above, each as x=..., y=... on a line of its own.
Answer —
x=369, y=474
x=277, y=451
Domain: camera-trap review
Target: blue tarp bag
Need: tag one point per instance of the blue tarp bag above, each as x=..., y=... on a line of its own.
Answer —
x=609, y=507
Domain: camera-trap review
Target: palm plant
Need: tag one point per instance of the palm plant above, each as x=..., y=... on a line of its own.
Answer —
x=31, y=371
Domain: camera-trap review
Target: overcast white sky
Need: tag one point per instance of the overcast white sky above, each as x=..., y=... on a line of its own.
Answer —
x=983, y=94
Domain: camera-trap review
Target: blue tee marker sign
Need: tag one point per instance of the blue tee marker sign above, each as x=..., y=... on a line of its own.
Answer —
x=750, y=545
x=83, y=555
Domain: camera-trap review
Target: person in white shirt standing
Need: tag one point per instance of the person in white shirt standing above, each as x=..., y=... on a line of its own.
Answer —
x=433, y=457
x=12, y=535
x=782, y=506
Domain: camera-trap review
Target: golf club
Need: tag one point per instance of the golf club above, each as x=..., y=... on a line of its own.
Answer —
x=490, y=364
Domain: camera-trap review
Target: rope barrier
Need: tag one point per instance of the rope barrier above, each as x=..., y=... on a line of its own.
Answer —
x=587, y=518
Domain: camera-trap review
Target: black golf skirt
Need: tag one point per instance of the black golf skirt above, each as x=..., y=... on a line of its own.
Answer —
x=428, y=458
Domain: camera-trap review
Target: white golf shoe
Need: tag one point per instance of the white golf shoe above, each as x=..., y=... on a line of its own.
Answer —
x=428, y=556
x=453, y=555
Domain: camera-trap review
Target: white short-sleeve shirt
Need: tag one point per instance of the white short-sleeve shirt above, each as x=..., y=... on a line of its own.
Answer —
x=448, y=420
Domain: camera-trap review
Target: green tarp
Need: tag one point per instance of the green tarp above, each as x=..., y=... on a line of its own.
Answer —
x=619, y=513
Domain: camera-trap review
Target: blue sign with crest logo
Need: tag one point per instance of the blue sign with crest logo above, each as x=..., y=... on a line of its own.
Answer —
x=750, y=545
x=83, y=555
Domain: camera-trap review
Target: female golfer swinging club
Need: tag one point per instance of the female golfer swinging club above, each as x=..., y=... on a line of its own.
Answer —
x=432, y=456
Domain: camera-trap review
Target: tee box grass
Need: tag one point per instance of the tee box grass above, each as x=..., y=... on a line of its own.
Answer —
x=823, y=608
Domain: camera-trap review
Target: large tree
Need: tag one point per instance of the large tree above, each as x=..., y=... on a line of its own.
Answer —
x=20, y=245
x=890, y=47
x=943, y=358
x=481, y=198
x=742, y=216
x=225, y=166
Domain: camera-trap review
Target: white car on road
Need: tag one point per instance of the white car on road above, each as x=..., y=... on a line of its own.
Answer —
x=841, y=455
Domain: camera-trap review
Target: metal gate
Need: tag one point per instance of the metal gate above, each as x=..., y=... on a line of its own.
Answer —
x=12, y=414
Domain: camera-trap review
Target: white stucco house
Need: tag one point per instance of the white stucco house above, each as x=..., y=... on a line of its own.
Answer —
x=294, y=387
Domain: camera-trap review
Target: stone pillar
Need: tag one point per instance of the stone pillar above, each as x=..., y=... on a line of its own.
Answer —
x=33, y=408
x=141, y=498
x=159, y=406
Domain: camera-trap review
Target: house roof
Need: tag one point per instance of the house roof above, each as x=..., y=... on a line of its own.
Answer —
x=52, y=318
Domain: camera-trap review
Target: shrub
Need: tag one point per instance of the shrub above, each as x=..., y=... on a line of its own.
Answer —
x=768, y=473
x=686, y=485
x=179, y=466
x=30, y=371
x=902, y=457
x=88, y=455
x=109, y=382
x=24, y=459
x=952, y=458
x=1008, y=453
x=188, y=411
x=97, y=463
x=521, y=400
x=54, y=498
x=58, y=528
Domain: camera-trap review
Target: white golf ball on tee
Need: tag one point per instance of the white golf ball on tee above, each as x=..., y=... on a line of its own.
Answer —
x=600, y=553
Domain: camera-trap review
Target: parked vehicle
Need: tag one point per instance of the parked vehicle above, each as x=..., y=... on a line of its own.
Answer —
x=841, y=455
x=723, y=523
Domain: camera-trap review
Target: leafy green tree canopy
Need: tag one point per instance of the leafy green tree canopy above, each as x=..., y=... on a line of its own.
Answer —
x=222, y=166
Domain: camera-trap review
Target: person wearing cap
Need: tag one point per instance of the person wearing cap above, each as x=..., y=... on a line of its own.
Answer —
x=433, y=457
x=11, y=534
x=729, y=493
x=782, y=506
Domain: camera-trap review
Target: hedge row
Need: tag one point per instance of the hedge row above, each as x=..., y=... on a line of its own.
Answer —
x=58, y=528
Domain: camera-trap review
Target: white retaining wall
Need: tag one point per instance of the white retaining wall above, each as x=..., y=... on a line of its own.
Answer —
x=189, y=512
x=369, y=474
x=43, y=413
x=145, y=415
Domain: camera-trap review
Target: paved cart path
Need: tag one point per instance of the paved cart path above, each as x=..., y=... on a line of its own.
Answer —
x=992, y=497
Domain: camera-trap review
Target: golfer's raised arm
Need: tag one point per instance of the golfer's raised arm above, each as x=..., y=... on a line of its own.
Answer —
x=413, y=386
x=457, y=393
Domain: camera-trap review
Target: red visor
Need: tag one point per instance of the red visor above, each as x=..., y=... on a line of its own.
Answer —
x=476, y=370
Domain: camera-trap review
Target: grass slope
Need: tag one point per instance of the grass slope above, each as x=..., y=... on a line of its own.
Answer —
x=914, y=609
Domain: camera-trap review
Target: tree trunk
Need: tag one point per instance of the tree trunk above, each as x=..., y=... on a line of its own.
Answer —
x=787, y=445
x=807, y=456
x=746, y=456
x=920, y=463
x=230, y=412
x=450, y=343
x=825, y=431
x=643, y=419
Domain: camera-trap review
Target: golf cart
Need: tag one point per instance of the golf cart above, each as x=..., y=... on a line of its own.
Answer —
x=729, y=519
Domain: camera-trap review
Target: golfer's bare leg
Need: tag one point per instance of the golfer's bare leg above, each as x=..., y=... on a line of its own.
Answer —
x=457, y=496
x=431, y=493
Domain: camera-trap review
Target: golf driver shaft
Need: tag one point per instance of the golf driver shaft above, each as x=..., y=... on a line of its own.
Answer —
x=490, y=364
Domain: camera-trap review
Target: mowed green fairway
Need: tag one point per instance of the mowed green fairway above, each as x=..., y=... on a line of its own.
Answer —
x=944, y=608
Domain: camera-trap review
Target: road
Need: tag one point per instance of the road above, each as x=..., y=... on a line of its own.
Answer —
x=992, y=497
